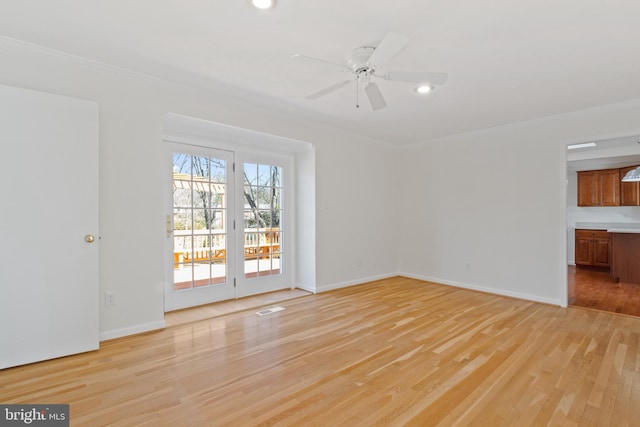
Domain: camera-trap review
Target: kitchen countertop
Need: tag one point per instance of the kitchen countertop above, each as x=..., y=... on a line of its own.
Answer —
x=608, y=226
x=624, y=230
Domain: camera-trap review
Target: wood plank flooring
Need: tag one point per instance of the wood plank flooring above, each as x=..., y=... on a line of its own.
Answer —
x=597, y=290
x=388, y=353
x=188, y=315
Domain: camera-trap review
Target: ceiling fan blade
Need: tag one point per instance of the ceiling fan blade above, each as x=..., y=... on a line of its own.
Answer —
x=416, y=77
x=375, y=97
x=328, y=90
x=387, y=49
x=298, y=56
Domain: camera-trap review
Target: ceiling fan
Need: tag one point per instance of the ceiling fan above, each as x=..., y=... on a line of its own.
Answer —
x=365, y=63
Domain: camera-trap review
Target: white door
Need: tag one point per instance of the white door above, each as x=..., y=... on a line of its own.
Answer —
x=48, y=226
x=264, y=203
x=199, y=239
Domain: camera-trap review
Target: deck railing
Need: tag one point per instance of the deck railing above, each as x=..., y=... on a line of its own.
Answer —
x=258, y=243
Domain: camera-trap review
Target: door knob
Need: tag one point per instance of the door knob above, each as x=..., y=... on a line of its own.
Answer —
x=89, y=238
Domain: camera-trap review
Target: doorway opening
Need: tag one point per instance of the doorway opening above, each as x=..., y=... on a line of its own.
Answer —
x=589, y=248
x=240, y=219
x=207, y=225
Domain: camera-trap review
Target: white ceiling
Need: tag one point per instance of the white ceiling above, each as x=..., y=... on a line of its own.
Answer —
x=611, y=153
x=507, y=60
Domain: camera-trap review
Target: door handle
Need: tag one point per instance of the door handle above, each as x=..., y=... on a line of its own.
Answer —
x=89, y=238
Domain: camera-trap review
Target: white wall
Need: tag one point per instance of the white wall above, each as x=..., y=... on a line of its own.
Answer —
x=357, y=190
x=131, y=175
x=306, y=220
x=486, y=210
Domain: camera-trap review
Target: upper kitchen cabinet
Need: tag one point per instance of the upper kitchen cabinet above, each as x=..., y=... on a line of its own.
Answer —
x=629, y=191
x=599, y=188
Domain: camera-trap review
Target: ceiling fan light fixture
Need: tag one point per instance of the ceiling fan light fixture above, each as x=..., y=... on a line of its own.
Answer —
x=264, y=4
x=424, y=89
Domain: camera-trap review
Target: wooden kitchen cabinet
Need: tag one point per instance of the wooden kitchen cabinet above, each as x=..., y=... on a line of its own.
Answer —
x=587, y=183
x=593, y=248
x=629, y=191
x=599, y=188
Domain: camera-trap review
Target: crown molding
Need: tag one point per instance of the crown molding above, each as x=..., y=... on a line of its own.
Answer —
x=281, y=111
x=21, y=45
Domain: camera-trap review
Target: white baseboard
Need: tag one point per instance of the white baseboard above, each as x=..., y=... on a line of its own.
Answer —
x=132, y=330
x=360, y=281
x=311, y=289
x=494, y=291
x=502, y=292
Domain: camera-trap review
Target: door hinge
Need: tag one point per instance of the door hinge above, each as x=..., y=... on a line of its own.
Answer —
x=169, y=226
x=233, y=165
x=234, y=224
x=234, y=282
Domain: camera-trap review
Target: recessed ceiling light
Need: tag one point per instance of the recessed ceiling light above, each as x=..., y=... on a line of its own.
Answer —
x=585, y=145
x=424, y=89
x=264, y=4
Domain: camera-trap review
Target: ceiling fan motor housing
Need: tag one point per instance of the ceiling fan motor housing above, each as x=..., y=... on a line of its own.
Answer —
x=359, y=61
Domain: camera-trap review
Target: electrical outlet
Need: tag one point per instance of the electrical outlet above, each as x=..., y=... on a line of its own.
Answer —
x=109, y=298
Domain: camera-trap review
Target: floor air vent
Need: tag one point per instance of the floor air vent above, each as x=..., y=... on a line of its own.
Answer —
x=269, y=310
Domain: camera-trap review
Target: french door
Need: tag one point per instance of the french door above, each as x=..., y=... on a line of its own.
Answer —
x=225, y=229
x=264, y=234
x=199, y=227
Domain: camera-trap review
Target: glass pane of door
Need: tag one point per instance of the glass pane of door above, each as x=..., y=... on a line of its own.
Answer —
x=199, y=221
x=263, y=220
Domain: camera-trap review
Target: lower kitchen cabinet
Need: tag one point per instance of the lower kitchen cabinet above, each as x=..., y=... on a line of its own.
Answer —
x=593, y=247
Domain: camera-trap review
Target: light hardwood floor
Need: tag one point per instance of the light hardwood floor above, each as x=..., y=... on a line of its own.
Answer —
x=392, y=352
x=188, y=315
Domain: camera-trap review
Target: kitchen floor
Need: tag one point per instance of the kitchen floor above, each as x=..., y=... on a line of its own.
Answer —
x=597, y=290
